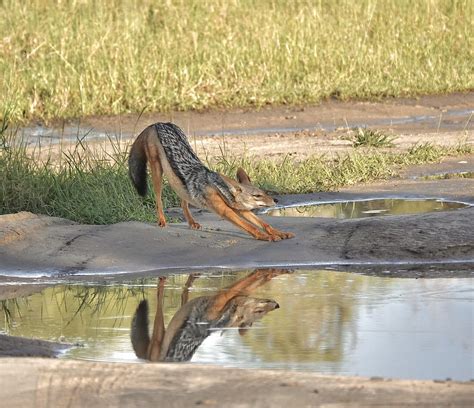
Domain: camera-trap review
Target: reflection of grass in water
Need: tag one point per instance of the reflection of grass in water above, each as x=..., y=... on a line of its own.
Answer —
x=98, y=300
x=317, y=323
x=359, y=209
x=70, y=302
x=92, y=314
x=6, y=308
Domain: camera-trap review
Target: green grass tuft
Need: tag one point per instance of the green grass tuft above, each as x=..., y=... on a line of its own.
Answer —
x=371, y=138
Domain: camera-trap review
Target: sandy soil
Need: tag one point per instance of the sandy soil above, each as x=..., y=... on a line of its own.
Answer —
x=79, y=384
x=275, y=132
x=327, y=115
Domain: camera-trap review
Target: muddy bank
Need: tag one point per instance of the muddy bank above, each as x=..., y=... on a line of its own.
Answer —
x=78, y=383
x=13, y=346
x=34, y=245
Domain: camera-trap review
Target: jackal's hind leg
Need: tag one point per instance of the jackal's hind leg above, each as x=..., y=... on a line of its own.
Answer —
x=217, y=204
x=157, y=177
x=250, y=216
x=189, y=217
x=154, y=348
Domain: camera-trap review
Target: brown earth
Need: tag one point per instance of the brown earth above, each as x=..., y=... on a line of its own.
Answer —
x=328, y=114
x=47, y=383
x=275, y=132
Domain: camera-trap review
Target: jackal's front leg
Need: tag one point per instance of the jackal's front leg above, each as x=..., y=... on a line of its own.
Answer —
x=250, y=216
x=242, y=287
x=217, y=204
x=189, y=217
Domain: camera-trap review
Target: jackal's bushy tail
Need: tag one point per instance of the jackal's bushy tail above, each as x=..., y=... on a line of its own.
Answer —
x=137, y=165
x=140, y=335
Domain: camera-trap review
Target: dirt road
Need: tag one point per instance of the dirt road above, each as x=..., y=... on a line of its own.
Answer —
x=275, y=132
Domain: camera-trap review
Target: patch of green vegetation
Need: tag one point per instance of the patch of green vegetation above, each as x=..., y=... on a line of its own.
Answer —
x=448, y=176
x=88, y=186
x=83, y=186
x=371, y=138
x=76, y=58
x=318, y=173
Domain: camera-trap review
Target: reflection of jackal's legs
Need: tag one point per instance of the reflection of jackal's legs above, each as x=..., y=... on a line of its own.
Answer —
x=154, y=348
x=185, y=295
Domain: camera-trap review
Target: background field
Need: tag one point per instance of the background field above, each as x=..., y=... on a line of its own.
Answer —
x=62, y=59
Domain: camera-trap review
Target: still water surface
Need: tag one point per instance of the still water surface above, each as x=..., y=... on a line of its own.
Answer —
x=366, y=208
x=328, y=322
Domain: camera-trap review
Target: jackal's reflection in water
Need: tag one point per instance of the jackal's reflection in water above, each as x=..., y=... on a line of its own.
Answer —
x=193, y=322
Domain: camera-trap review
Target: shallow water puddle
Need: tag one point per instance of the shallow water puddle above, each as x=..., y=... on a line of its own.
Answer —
x=327, y=322
x=366, y=208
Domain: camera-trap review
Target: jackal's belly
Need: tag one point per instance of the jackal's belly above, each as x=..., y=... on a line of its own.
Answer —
x=174, y=181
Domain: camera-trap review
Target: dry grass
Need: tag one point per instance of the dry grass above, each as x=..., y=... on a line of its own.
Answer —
x=74, y=58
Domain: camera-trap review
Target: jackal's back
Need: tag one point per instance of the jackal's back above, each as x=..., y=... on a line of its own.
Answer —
x=187, y=166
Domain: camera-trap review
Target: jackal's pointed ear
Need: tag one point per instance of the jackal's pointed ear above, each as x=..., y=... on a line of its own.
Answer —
x=242, y=176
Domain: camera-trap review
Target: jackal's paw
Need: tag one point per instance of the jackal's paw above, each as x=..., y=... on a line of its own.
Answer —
x=274, y=237
x=162, y=223
x=195, y=226
x=283, y=235
x=286, y=235
x=266, y=237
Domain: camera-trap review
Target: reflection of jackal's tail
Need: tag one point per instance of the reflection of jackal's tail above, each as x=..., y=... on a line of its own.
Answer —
x=137, y=164
x=140, y=335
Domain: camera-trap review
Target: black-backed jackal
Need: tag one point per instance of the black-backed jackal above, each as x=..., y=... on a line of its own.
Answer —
x=165, y=147
x=193, y=322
